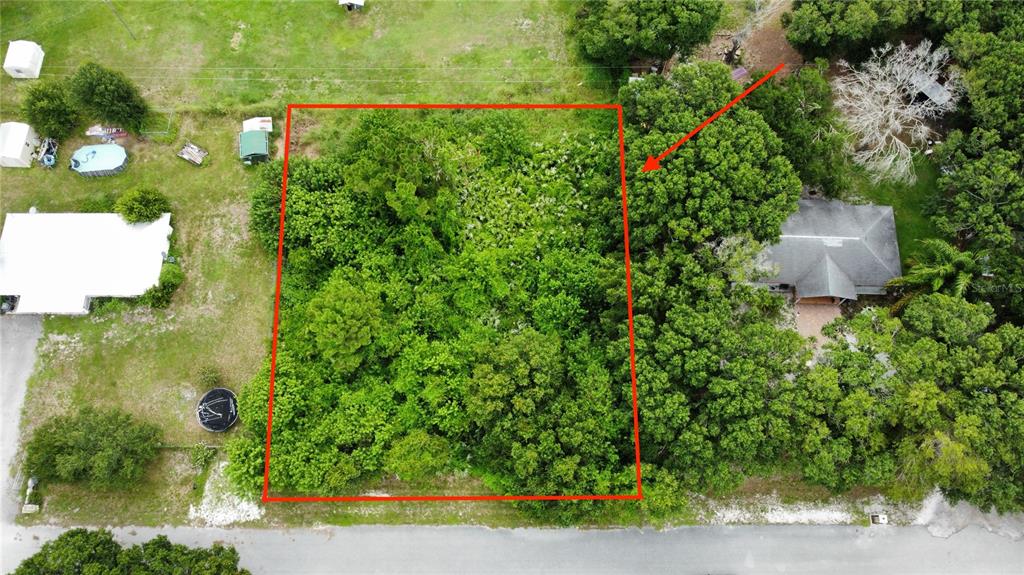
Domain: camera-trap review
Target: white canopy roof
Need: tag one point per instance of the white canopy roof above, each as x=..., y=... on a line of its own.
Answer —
x=56, y=262
x=24, y=59
x=262, y=124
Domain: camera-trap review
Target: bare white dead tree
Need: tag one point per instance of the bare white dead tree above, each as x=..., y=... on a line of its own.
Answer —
x=888, y=102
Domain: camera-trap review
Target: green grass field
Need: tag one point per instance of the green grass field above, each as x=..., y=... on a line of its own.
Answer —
x=908, y=203
x=222, y=54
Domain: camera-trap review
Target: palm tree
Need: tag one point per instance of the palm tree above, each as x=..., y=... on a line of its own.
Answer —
x=939, y=267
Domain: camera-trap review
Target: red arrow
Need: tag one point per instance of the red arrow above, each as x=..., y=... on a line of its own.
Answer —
x=654, y=163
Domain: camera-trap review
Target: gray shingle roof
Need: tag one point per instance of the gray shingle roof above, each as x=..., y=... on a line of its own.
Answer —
x=831, y=248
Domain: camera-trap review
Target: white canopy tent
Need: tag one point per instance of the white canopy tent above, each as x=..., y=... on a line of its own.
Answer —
x=55, y=263
x=259, y=124
x=18, y=142
x=24, y=59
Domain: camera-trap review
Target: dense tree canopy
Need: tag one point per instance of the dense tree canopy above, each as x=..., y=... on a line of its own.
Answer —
x=826, y=27
x=463, y=306
x=86, y=552
x=109, y=96
x=453, y=301
x=415, y=287
x=931, y=398
x=799, y=110
x=50, y=109
x=618, y=32
x=982, y=189
x=105, y=449
x=709, y=356
x=989, y=46
x=732, y=178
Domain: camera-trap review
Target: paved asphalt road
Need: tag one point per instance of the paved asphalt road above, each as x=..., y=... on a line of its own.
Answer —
x=18, y=337
x=821, y=550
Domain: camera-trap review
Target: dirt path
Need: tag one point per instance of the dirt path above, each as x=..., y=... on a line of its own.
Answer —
x=762, y=40
x=765, y=46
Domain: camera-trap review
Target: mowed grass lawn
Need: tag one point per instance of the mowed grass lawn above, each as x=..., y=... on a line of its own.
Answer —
x=220, y=54
x=908, y=201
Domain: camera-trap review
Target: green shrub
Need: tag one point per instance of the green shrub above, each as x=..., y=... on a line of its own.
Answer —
x=50, y=109
x=201, y=455
x=99, y=204
x=209, y=376
x=84, y=552
x=106, y=449
x=618, y=33
x=245, y=462
x=142, y=204
x=159, y=295
x=418, y=456
x=110, y=96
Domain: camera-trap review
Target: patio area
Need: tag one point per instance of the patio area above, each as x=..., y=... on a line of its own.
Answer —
x=811, y=317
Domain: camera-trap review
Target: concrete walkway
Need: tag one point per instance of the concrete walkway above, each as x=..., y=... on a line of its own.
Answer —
x=18, y=337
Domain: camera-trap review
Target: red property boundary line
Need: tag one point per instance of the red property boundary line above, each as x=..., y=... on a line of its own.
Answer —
x=629, y=305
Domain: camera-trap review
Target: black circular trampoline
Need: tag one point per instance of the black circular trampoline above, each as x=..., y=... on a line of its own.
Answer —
x=217, y=410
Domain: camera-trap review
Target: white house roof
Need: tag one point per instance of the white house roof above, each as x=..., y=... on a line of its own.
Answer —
x=56, y=262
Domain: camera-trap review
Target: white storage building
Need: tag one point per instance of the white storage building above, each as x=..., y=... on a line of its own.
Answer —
x=24, y=59
x=18, y=142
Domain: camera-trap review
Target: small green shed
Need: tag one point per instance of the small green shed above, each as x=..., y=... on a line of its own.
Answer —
x=254, y=146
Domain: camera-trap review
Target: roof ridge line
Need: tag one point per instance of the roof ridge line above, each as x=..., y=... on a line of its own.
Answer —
x=867, y=232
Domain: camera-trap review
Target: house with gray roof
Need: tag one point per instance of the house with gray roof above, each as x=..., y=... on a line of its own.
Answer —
x=831, y=249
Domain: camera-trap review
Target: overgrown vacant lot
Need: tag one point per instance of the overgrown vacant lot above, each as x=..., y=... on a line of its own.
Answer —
x=453, y=302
